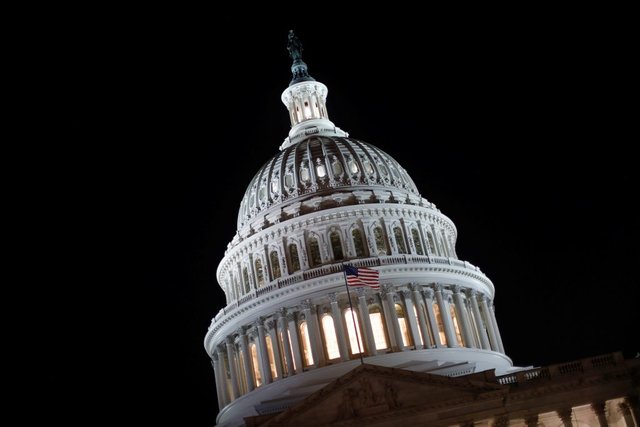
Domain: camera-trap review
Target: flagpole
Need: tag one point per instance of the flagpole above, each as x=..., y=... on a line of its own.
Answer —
x=353, y=316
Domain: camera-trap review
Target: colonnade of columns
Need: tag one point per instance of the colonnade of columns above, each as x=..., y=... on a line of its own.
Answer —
x=294, y=339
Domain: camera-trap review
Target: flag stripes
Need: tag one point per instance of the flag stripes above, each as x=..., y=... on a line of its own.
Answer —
x=362, y=276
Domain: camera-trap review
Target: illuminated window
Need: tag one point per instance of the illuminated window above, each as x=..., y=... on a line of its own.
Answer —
x=377, y=325
x=283, y=351
x=262, y=194
x=456, y=327
x=314, y=251
x=351, y=319
x=336, y=245
x=337, y=168
x=306, y=344
x=404, y=327
x=293, y=256
x=358, y=242
x=304, y=174
x=367, y=167
x=288, y=181
x=245, y=276
x=330, y=340
x=432, y=246
x=259, y=272
x=275, y=264
x=417, y=242
x=397, y=232
x=443, y=336
x=254, y=362
x=275, y=188
x=383, y=169
x=321, y=171
x=353, y=166
x=271, y=356
x=381, y=244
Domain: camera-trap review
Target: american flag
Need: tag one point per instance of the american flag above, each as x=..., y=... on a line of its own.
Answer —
x=362, y=276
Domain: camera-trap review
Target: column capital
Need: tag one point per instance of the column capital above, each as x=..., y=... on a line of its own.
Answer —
x=471, y=293
x=414, y=286
x=361, y=290
x=282, y=312
x=242, y=330
x=427, y=293
x=438, y=287
x=456, y=289
x=386, y=289
x=229, y=340
x=406, y=293
x=306, y=304
x=215, y=357
x=291, y=316
x=270, y=324
x=333, y=296
x=259, y=321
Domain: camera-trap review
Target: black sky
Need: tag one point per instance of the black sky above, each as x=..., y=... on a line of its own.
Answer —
x=518, y=129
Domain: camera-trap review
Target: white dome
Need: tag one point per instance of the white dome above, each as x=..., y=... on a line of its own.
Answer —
x=320, y=166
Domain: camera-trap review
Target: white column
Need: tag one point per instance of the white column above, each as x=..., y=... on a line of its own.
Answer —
x=265, y=366
x=219, y=379
x=464, y=319
x=492, y=311
x=419, y=304
x=339, y=327
x=411, y=316
x=369, y=341
x=286, y=344
x=231, y=355
x=392, y=322
x=490, y=327
x=295, y=342
x=246, y=360
x=312, y=329
x=446, y=316
x=433, y=322
x=275, y=346
x=480, y=325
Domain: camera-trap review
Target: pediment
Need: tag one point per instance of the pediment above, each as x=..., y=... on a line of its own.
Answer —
x=369, y=391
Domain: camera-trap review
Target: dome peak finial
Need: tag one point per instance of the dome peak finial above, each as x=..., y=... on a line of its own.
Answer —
x=298, y=68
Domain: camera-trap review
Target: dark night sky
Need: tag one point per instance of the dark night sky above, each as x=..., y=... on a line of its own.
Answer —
x=517, y=129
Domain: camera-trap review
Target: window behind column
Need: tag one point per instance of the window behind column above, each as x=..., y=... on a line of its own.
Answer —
x=381, y=244
x=377, y=325
x=456, y=326
x=306, y=344
x=443, y=336
x=254, y=362
x=259, y=272
x=353, y=330
x=293, y=258
x=271, y=356
x=404, y=325
x=330, y=340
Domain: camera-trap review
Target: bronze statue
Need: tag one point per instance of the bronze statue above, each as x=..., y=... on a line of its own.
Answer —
x=294, y=47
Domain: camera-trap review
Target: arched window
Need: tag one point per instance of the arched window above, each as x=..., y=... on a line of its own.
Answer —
x=417, y=242
x=377, y=325
x=245, y=276
x=353, y=330
x=330, y=340
x=443, y=336
x=254, y=362
x=432, y=245
x=397, y=233
x=404, y=326
x=259, y=272
x=456, y=326
x=358, y=242
x=293, y=255
x=381, y=244
x=306, y=344
x=336, y=245
x=314, y=251
x=272, y=358
x=275, y=264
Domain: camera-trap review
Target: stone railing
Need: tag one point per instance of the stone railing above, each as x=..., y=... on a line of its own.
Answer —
x=558, y=370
